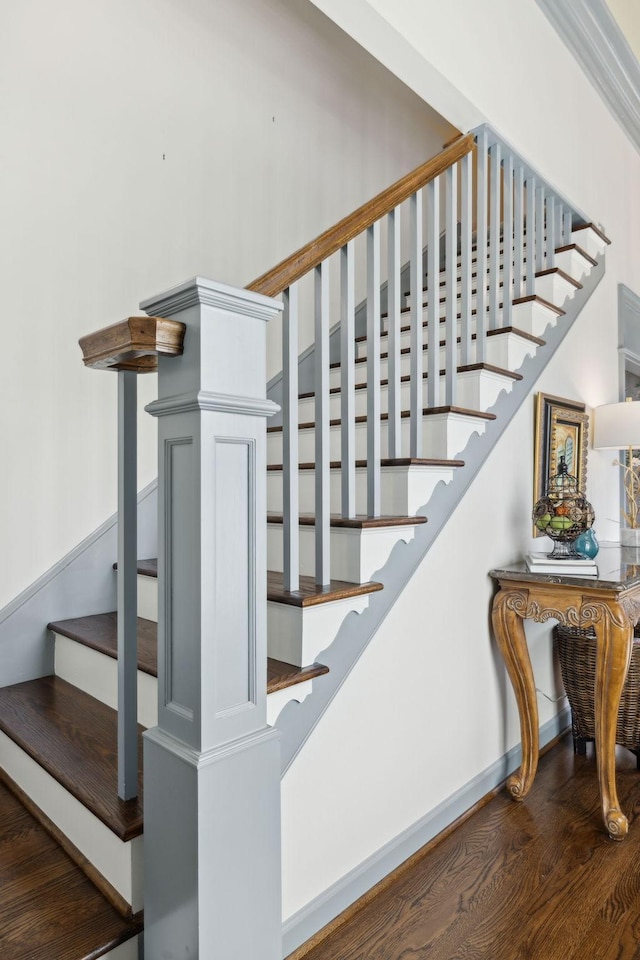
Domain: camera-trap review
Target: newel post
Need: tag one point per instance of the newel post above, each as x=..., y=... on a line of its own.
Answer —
x=212, y=765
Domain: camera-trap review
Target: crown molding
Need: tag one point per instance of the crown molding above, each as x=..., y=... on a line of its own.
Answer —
x=591, y=33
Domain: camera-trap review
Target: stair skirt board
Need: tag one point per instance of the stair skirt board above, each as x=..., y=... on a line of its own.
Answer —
x=308, y=921
x=355, y=554
x=97, y=674
x=405, y=488
x=120, y=863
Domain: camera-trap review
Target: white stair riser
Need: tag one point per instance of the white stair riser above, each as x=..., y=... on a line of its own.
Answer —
x=573, y=263
x=590, y=242
x=476, y=390
x=444, y=437
x=531, y=317
x=554, y=288
x=298, y=635
x=148, y=598
x=126, y=951
x=404, y=489
x=355, y=554
x=120, y=863
x=97, y=675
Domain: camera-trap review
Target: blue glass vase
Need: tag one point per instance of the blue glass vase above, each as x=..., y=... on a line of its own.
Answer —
x=586, y=544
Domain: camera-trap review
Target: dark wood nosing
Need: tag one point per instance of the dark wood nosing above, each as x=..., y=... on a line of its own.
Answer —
x=533, y=297
x=426, y=412
x=578, y=249
x=519, y=333
x=592, y=226
x=352, y=523
x=100, y=632
x=310, y=593
x=73, y=737
x=387, y=462
x=281, y=675
x=560, y=273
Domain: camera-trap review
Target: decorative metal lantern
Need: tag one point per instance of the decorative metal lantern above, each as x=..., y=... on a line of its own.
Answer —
x=563, y=513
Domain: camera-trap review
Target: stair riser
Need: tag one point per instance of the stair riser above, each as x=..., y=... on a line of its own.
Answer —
x=298, y=635
x=590, y=242
x=476, y=390
x=96, y=674
x=121, y=864
x=356, y=555
x=531, y=317
x=404, y=489
x=443, y=437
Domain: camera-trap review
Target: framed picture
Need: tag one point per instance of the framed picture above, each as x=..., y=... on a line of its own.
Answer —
x=561, y=429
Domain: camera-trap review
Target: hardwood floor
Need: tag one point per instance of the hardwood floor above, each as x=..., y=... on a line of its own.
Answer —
x=49, y=910
x=539, y=880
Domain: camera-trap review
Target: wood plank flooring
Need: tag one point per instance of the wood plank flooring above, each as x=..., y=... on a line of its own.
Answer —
x=538, y=880
x=49, y=910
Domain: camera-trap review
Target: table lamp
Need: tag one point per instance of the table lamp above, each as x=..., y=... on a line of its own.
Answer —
x=617, y=427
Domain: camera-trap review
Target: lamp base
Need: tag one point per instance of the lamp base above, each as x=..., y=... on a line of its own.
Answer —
x=630, y=536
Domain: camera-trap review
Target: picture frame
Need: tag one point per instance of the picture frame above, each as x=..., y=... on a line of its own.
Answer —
x=561, y=428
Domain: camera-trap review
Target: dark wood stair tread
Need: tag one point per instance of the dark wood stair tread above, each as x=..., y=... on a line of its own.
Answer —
x=74, y=738
x=146, y=568
x=406, y=378
x=354, y=523
x=592, y=226
x=560, y=273
x=361, y=464
x=281, y=675
x=426, y=412
x=100, y=632
x=310, y=594
x=49, y=908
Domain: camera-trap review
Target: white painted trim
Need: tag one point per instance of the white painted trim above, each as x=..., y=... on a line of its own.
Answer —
x=201, y=291
x=324, y=908
x=125, y=951
x=220, y=402
x=591, y=33
x=194, y=758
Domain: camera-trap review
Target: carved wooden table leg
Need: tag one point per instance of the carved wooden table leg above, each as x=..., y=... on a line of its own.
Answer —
x=509, y=607
x=614, y=632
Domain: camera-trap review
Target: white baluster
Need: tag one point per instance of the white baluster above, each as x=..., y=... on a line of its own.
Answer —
x=373, y=370
x=394, y=335
x=347, y=381
x=494, y=261
x=482, y=223
x=466, y=190
x=533, y=232
x=322, y=444
x=290, y=497
x=416, y=338
x=507, y=239
x=518, y=233
x=451, y=258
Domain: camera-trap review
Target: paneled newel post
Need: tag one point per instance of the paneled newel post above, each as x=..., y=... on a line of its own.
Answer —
x=212, y=765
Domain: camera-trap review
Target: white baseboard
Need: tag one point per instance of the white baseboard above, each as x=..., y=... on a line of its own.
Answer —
x=324, y=908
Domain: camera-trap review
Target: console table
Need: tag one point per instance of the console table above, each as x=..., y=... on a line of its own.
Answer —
x=611, y=604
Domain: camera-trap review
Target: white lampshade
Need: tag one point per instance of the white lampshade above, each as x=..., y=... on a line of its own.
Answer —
x=617, y=425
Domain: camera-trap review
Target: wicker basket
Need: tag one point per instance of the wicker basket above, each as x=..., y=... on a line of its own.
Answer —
x=577, y=653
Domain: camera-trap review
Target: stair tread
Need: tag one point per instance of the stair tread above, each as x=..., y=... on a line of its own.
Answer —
x=310, y=594
x=463, y=368
x=490, y=333
x=592, y=226
x=49, y=907
x=357, y=522
x=100, y=632
x=426, y=412
x=281, y=675
x=361, y=464
x=560, y=273
x=74, y=738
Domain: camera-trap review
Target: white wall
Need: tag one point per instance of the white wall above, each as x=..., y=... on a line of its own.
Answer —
x=144, y=142
x=428, y=707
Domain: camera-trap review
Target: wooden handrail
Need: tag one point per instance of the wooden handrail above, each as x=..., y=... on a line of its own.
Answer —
x=288, y=271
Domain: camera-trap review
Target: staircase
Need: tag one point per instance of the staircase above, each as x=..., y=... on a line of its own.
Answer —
x=359, y=481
